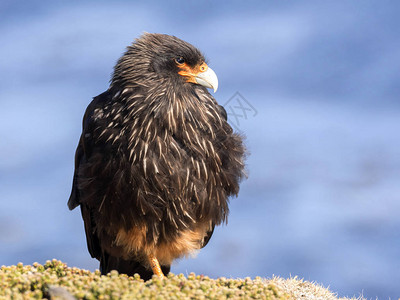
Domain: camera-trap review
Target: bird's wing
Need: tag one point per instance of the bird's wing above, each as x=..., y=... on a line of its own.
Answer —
x=83, y=153
x=74, y=197
x=207, y=238
x=223, y=112
x=92, y=239
x=85, y=146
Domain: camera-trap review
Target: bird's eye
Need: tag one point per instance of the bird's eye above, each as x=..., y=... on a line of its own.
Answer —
x=180, y=60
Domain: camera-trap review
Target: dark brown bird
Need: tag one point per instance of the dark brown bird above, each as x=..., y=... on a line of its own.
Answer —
x=156, y=161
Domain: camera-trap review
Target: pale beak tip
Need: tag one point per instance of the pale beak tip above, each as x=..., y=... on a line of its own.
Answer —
x=208, y=79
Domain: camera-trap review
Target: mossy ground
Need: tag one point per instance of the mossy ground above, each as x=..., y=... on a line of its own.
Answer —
x=56, y=280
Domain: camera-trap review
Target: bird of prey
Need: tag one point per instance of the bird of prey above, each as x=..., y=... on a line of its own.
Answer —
x=156, y=161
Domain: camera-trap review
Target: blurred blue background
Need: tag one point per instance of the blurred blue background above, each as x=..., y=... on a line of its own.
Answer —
x=322, y=199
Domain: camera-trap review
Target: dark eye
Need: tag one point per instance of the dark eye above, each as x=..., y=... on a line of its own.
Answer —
x=180, y=60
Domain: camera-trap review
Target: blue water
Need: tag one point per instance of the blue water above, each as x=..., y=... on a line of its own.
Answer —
x=321, y=82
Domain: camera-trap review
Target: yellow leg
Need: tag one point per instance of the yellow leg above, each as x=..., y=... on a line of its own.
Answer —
x=155, y=266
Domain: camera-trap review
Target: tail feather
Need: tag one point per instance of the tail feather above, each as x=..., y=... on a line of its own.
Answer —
x=128, y=267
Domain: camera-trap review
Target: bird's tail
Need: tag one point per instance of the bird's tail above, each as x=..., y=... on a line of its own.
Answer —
x=129, y=267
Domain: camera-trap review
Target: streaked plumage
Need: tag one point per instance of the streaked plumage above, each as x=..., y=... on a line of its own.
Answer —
x=156, y=161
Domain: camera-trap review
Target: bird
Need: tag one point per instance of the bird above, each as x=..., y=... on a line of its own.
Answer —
x=157, y=161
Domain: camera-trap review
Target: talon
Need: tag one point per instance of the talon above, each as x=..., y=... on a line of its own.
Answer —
x=155, y=266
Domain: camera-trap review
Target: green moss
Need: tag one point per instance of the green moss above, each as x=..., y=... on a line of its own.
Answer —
x=56, y=280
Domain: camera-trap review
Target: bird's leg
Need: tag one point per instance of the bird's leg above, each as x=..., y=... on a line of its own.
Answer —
x=155, y=266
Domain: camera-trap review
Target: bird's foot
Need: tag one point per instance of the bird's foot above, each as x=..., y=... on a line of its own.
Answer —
x=155, y=266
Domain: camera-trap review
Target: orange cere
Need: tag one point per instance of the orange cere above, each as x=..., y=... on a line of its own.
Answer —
x=191, y=73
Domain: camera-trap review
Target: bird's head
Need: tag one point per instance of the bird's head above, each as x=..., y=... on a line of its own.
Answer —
x=155, y=56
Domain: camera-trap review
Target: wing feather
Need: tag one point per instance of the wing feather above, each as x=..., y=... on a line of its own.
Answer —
x=82, y=154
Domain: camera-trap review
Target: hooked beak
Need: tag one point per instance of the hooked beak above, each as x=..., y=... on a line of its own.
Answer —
x=208, y=79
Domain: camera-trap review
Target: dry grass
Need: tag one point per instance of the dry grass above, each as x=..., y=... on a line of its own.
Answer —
x=299, y=289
